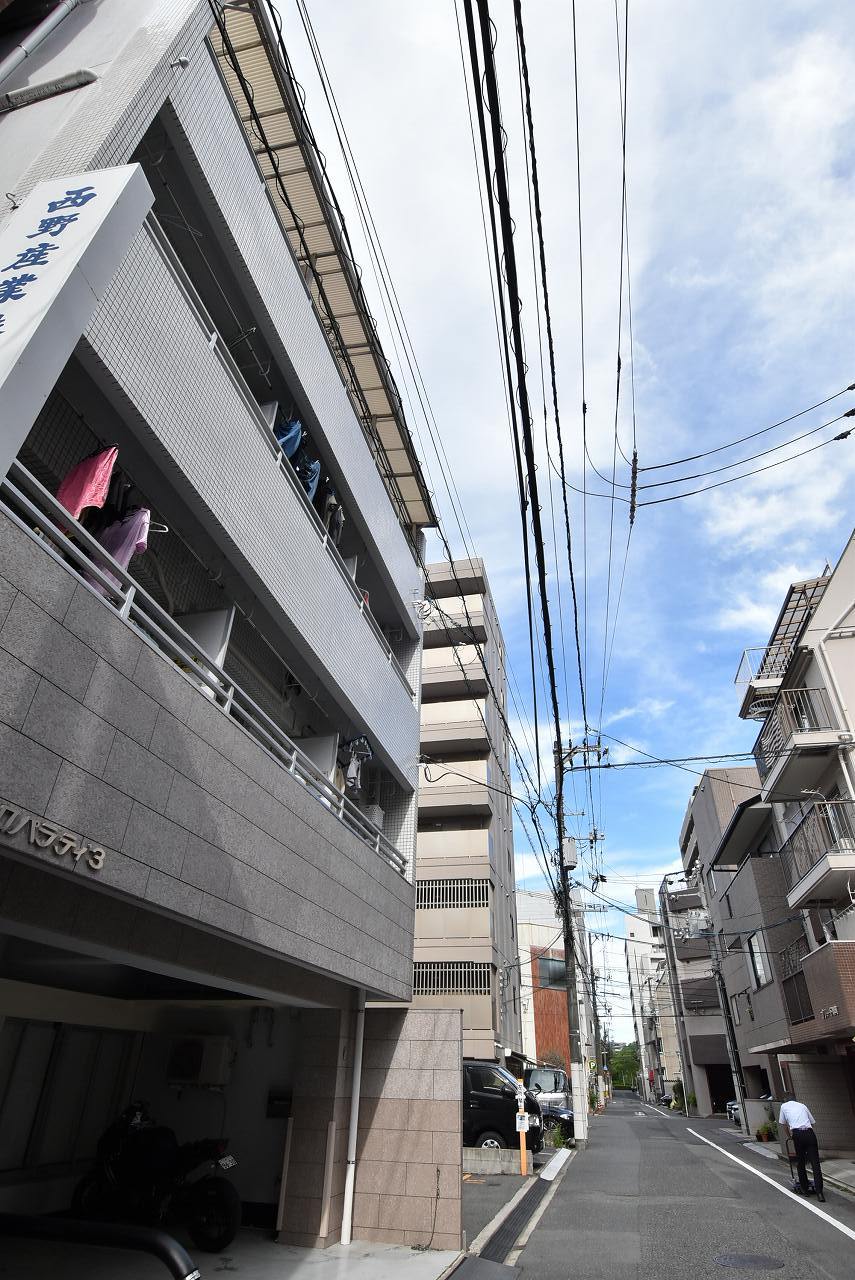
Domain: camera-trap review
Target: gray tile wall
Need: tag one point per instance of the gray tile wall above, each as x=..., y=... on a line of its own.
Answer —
x=104, y=736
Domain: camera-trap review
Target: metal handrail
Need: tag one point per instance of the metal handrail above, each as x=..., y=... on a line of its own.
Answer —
x=794, y=711
x=162, y=245
x=824, y=826
x=65, y=540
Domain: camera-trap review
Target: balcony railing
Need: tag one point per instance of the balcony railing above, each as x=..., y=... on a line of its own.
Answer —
x=795, y=711
x=763, y=662
x=222, y=353
x=791, y=957
x=823, y=829
x=38, y=514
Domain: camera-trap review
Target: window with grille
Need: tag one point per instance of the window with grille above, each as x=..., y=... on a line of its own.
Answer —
x=797, y=998
x=451, y=977
x=444, y=895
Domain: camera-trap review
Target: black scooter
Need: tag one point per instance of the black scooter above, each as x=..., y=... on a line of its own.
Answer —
x=142, y=1175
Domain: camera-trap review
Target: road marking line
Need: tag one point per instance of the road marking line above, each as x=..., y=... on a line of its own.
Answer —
x=820, y=1213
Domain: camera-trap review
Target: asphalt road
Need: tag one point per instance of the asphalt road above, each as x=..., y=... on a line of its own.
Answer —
x=648, y=1200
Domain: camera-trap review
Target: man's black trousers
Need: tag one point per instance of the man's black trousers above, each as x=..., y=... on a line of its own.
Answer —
x=806, y=1147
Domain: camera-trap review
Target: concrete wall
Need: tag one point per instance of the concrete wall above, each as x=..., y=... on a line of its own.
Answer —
x=408, y=1175
x=103, y=735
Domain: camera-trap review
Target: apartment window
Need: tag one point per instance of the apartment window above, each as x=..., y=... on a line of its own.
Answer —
x=451, y=977
x=729, y=907
x=711, y=881
x=448, y=895
x=797, y=998
x=734, y=1008
x=551, y=973
x=734, y=942
x=757, y=958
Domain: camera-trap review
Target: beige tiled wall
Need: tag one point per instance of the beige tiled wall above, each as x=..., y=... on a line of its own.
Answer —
x=409, y=1158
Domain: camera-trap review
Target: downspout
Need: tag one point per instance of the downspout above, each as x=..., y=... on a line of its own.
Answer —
x=353, y=1128
x=30, y=43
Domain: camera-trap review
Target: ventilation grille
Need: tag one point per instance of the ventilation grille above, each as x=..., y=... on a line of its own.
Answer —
x=443, y=895
x=451, y=977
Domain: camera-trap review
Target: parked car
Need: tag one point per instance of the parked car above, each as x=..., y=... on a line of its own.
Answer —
x=560, y=1118
x=490, y=1108
x=665, y=1099
x=549, y=1085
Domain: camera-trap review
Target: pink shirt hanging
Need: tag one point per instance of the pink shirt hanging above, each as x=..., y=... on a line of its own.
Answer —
x=86, y=484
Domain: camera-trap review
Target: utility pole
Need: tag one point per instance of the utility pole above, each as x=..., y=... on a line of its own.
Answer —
x=598, y=1054
x=730, y=1033
x=578, y=1078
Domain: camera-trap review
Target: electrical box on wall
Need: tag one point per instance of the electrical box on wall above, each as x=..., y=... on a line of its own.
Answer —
x=204, y=1061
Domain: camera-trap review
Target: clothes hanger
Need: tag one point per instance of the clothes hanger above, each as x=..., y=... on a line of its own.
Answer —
x=158, y=528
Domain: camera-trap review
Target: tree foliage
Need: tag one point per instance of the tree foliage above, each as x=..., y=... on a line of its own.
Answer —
x=624, y=1066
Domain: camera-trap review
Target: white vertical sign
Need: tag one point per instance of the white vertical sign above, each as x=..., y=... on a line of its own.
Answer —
x=58, y=253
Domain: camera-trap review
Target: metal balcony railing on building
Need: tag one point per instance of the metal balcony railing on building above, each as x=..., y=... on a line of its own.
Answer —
x=823, y=844
x=791, y=957
x=761, y=670
x=796, y=711
x=38, y=514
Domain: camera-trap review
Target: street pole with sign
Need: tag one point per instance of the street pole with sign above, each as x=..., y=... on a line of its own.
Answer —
x=522, y=1126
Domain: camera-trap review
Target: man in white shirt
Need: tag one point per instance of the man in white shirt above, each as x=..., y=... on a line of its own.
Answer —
x=799, y=1122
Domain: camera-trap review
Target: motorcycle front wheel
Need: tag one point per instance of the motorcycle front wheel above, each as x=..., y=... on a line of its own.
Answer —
x=213, y=1214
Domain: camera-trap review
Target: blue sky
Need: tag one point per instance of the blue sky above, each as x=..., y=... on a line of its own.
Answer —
x=741, y=206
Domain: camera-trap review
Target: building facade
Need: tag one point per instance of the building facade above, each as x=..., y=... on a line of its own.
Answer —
x=785, y=866
x=645, y=959
x=210, y=640
x=466, y=916
x=692, y=959
x=543, y=979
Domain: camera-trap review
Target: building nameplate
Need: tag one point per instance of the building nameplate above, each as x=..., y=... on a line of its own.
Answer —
x=15, y=821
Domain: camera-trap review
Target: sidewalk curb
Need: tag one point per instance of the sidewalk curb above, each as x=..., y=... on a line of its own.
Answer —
x=528, y=1230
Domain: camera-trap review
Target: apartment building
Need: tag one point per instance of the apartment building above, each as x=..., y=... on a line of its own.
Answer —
x=645, y=956
x=692, y=961
x=466, y=916
x=785, y=866
x=210, y=642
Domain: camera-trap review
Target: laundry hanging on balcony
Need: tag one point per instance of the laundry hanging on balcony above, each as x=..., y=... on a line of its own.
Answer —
x=308, y=471
x=352, y=755
x=329, y=508
x=87, y=484
x=289, y=435
x=123, y=540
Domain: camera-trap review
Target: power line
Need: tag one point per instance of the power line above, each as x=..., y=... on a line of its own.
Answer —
x=752, y=435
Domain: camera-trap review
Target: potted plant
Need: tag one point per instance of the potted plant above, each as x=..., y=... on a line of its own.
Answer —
x=766, y=1132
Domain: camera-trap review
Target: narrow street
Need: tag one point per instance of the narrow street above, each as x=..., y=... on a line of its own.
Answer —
x=648, y=1200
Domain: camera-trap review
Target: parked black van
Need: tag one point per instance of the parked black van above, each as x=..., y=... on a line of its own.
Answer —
x=490, y=1108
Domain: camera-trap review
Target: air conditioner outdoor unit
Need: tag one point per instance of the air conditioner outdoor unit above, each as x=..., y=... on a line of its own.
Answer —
x=203, y=1061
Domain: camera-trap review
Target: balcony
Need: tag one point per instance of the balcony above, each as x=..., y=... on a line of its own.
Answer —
x=792, y=749
x=459, y=619
x=457, y=726
x=461, y=847
x=760, y=673
x=830, y=976
x=453, y=672
x=36, y=513
x=819, y=857
x=458, y=790
x=194, y=414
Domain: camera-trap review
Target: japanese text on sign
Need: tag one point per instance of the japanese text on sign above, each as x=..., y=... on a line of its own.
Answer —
x=48, y=835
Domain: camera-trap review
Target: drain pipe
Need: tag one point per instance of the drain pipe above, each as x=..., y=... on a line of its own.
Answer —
x=31, y=42
x=355, y=1087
